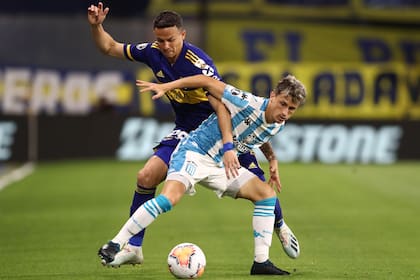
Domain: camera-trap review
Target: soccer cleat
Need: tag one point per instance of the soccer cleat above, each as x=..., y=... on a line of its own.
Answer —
x=108, y=252
x=288, y=241
x=128, y=255
x=266, y=268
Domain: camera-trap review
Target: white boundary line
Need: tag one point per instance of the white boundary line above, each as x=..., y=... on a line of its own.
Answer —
x=16, y=175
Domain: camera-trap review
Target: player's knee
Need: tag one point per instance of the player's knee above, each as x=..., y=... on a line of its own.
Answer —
x=148, y=179
x=265, y=191
x=268, y=191
x=173, y=191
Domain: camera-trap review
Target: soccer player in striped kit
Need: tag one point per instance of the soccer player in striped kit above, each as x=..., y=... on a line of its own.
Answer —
x=209, y=156
x=170, y=57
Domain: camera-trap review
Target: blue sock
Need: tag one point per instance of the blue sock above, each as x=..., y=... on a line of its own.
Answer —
x=141, y=195
x=278, y=220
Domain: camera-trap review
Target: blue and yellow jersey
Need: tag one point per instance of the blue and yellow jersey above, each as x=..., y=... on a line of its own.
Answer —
x=191, y=106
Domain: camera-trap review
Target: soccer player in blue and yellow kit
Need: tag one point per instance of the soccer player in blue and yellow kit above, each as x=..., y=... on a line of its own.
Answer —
x=170, y=57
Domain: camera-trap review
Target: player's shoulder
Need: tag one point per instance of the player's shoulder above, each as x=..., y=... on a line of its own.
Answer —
x=232, y=90
x=241, y=94
x=194, y=51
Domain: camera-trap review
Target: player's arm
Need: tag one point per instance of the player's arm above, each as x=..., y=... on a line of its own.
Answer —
x=230, y=159
x=215, y=87
x=103, y=40
x=268, y=152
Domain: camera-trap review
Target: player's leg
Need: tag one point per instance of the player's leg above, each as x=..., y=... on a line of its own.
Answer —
x=249, y=161
x=148, y=178
x=264, y=198
x=177, y=183
x=288, y=240
x=171, y=193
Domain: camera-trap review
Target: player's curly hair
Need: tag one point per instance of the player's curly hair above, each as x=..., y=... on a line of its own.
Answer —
x=168, y=19
x=289, y=85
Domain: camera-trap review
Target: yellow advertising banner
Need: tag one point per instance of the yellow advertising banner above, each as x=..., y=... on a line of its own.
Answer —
x=338, y=90
x=280, y=41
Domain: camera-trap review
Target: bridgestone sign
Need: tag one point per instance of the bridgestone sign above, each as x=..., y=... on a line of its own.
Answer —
x=133, y=138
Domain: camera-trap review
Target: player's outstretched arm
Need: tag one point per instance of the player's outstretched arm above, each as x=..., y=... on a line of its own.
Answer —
x=103, y=40
x=214, y=86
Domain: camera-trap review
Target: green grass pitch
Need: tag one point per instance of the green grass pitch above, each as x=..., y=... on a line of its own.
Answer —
x=352, y=221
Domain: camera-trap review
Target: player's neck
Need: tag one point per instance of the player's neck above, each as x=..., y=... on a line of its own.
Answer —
x=267, y=116
x=172, y=60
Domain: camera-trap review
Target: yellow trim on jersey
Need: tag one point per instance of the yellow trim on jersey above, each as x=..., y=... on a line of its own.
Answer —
x=193, y=96
x=154, y=45
x=191, y=56
x=128, y=51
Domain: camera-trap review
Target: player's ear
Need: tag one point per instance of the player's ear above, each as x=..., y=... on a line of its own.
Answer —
x=183, y=34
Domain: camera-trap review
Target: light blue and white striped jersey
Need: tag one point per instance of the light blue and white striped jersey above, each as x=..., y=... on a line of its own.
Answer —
x=250, y=129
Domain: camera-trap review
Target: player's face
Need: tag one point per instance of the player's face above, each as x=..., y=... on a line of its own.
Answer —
x=280, y=108
x=170, y=41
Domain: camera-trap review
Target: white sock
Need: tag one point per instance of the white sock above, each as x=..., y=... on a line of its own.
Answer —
x=262, y=222
x=142, y=218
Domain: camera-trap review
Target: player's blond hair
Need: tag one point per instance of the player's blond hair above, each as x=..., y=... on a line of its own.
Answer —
x=289, y=85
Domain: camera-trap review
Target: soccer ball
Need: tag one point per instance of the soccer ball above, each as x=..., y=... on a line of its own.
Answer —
x=186, y=261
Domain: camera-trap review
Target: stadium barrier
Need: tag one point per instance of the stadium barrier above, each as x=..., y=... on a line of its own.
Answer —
x=122, y=137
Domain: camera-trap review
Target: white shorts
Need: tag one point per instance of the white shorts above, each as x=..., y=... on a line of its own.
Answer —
x=190, y=168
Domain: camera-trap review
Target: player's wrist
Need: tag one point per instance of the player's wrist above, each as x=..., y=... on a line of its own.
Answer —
x=228, y=146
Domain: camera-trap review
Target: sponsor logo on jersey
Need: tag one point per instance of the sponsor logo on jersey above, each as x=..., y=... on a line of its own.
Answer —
x=250, y=139
x=160, y=74
x=247, y=121
x=208, y=71
x=141, y=46
x=235, y=91
x=200, y=63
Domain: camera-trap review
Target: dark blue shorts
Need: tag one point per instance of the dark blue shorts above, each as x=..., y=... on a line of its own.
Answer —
x=165, y=149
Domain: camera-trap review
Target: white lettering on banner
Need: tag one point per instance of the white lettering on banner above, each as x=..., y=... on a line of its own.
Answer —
x=139, y=136
x=75, y=95
x=306, y=143
x=46, y=92
x=15, y=91
x=51, y=92
x=105, y=83
x=338, y=143
x=7, y=130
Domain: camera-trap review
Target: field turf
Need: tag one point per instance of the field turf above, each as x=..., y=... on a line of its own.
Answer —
x=352, y=221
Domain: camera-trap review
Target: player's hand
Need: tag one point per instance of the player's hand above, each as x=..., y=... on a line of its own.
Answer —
x=231, y=162
x=97, y=14
x=274, y=180
x=158, y=89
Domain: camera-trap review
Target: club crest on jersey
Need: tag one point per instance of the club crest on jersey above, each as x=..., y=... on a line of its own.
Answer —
x=190, y=168
x=250, y=139
x=141, y=46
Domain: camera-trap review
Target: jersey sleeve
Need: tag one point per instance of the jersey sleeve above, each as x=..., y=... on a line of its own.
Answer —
x=137, y=52
x=235, y=98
